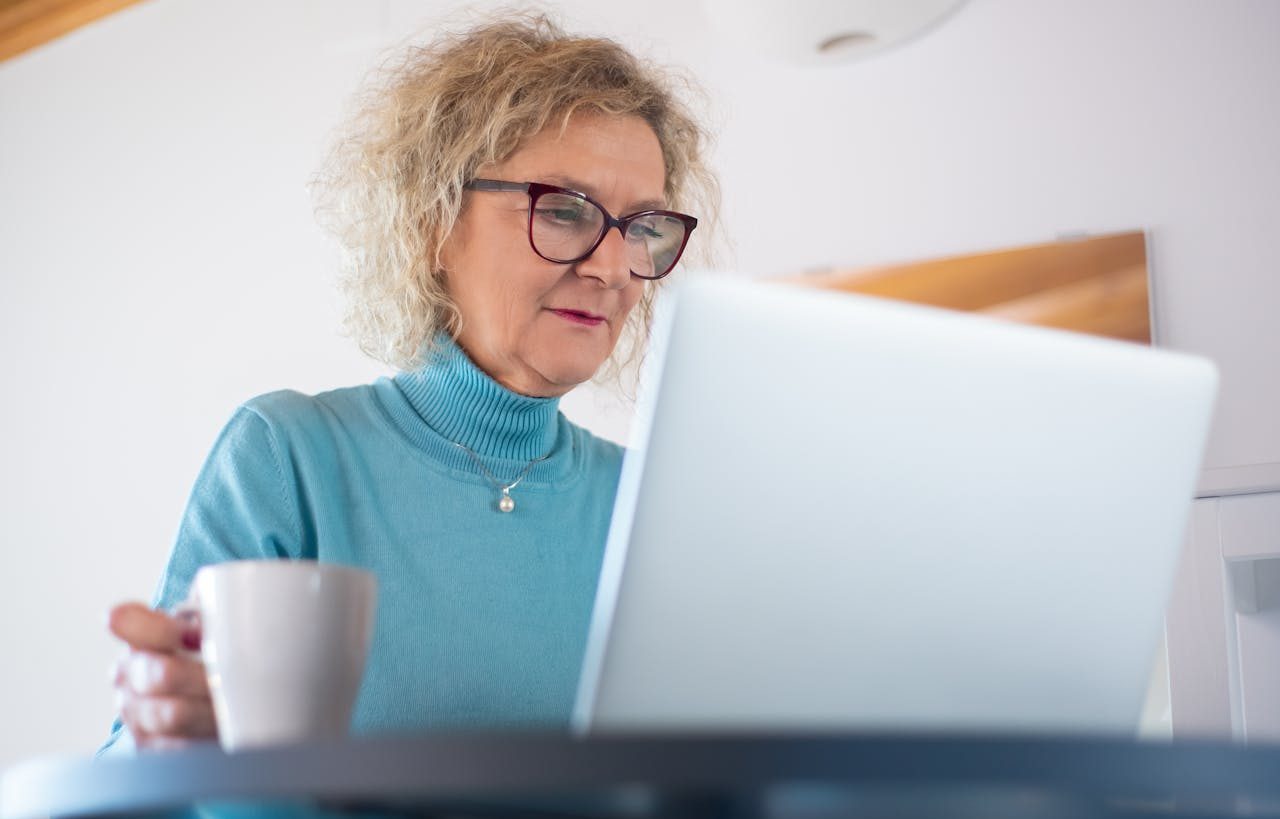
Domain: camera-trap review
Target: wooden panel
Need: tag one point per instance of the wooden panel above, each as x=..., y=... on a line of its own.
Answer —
x=1094, y=285
x=976, y=281
x=1114, y=304
x=26, y=24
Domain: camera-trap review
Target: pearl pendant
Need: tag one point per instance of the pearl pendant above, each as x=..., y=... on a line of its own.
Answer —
x=506, y=504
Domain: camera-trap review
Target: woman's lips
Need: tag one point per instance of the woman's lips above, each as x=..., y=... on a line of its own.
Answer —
x=579, y=317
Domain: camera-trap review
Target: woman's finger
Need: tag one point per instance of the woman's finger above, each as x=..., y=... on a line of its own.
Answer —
x=169, y=743
x=144, y=628
x=117, y=672
x=151, y=718
x=171, y=675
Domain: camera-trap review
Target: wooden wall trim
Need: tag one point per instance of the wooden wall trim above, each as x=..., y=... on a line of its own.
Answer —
x=27, y=24
x=1113, y=304
x=976, y=281
x=1095, y=284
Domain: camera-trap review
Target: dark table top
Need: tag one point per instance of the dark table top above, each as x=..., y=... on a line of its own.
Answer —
x=751, y=775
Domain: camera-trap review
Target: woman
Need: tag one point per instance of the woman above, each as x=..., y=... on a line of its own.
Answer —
x=507, y=200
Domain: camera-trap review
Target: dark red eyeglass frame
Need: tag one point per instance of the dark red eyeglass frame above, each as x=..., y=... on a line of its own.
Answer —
x=537, y=189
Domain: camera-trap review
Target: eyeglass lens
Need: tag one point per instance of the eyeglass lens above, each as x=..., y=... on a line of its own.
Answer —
x=565, y=227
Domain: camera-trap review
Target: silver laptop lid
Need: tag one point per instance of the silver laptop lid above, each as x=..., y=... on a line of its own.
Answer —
x=847, y=513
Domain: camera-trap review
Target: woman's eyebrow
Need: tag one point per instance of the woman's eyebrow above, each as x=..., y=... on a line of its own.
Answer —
x=560, y=180
x=647, y=204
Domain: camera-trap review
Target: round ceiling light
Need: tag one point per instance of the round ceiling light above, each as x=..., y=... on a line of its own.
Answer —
x=823, y=32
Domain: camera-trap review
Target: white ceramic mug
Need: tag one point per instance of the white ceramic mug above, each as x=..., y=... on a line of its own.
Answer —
x=284, y=645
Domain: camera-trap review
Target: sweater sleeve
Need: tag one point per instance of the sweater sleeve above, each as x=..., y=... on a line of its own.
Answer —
x=241, y=508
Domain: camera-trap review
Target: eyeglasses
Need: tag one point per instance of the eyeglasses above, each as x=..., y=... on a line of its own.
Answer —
x=566, y=226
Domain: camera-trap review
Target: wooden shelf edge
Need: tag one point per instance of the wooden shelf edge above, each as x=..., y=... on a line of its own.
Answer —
x=29, y=24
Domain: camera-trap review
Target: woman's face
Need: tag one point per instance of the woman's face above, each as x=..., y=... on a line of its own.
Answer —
x=539, y=327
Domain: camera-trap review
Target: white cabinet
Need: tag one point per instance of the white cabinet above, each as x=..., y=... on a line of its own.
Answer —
x=1223, y=623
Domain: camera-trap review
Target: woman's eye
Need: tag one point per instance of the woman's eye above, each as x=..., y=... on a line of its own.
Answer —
x=564, y=215
x=646, y=232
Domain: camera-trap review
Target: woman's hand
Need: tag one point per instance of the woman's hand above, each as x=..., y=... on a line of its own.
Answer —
x=161, y=692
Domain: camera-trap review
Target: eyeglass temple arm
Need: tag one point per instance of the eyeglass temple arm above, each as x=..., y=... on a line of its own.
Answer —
x=495, y=185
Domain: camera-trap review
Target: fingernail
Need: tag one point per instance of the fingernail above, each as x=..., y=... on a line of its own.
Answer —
x=191, y=639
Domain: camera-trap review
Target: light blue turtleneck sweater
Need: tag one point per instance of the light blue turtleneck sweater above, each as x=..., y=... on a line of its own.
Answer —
x=482, y=616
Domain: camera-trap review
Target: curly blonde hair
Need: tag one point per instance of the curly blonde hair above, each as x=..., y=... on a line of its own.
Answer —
x=391, y=190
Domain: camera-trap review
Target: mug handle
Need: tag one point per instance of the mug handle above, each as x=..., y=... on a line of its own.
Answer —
x=188, y=614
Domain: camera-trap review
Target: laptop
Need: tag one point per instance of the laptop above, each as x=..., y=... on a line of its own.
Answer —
x=842, y=513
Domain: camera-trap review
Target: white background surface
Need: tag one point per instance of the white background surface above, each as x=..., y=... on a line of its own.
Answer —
x=159, y=263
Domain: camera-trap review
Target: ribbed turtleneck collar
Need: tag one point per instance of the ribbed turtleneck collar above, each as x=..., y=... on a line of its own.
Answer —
x=464, y=405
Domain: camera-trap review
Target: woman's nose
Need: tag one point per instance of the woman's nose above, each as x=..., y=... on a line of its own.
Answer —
x=608, y=263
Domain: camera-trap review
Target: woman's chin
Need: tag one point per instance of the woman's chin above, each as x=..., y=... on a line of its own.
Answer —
x=566, y=372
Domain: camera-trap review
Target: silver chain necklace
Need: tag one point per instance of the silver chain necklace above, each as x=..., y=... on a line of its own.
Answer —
x=505, y=503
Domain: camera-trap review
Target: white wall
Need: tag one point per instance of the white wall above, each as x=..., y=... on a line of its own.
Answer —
x=158, y=262
x=1020, y=120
